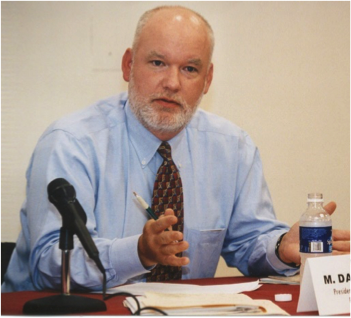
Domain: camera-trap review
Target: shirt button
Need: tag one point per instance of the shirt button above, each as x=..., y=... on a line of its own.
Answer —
x=143, y=162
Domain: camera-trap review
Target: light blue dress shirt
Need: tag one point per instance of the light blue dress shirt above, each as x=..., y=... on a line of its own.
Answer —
x=106, y=154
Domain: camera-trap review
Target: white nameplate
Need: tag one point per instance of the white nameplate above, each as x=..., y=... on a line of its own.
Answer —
x=325, y=285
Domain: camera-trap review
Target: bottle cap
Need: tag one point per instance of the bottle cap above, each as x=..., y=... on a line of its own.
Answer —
x=315, y=197
x=283, y=297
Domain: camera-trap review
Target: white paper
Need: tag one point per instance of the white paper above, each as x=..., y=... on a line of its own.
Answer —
x=326, y=285
x=307, y=299
x=142, y=288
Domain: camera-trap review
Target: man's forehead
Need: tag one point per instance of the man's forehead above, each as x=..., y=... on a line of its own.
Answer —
x=192, y=60
x=176, y=29
x=170, y=32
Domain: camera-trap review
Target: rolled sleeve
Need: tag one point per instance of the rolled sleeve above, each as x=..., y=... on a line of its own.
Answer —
x=125, y=259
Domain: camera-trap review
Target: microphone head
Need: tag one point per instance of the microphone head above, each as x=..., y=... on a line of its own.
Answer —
x=61, y=191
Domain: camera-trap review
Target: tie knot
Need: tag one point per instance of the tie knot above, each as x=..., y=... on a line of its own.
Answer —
x=165, y=151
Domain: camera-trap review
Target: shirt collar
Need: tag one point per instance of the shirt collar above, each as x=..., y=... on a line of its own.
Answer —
x=146, y=144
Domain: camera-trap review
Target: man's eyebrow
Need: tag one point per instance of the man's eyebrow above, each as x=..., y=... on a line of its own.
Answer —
x=154, y=54
x=195, y=61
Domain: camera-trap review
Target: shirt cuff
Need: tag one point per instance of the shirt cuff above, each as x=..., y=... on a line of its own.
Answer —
x=125, y=258
x=275, y=262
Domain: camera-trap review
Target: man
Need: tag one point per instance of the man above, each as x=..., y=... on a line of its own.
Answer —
x=110, y=150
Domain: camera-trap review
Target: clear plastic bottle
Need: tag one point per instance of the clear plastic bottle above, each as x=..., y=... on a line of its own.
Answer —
x=315, y=230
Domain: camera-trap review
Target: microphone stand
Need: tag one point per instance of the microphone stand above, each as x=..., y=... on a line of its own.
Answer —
x=64, y=303
x=65, y=272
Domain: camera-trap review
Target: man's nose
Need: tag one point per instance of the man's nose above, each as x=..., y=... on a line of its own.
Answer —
x=171, y=80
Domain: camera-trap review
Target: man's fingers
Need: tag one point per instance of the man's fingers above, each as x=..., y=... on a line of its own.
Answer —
x=342, y=246
x=169, y=212
x=173, y=260
x=167, y=254
x=163, y=223
x=341, y=241
x=157, y=244
x=169, y=236
x=174, y=248
x=341, y=235
x=335, y=252
x=330, y=207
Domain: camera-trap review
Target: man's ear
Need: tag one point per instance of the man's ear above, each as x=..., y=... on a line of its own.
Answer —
x=209, y=78
x=127, y=61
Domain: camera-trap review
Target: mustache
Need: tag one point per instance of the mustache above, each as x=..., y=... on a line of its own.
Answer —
x=170, y=98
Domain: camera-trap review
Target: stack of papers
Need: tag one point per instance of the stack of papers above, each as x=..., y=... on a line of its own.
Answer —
x=291, y=280
x=166, y=288
x=189, y=299
x=203, y=304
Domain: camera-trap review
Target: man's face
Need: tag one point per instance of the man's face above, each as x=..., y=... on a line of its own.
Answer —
x=169, y=72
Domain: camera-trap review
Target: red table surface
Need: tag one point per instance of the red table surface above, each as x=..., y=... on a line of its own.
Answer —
x=12, y=303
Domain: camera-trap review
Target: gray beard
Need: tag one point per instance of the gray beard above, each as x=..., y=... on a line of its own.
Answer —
x=160, y=121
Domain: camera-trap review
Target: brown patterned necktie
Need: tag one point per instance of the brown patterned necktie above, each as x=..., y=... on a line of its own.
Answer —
x=168, y=193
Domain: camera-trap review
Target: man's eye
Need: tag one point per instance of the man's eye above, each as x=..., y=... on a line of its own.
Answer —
x=157, y=63
x=190, y=69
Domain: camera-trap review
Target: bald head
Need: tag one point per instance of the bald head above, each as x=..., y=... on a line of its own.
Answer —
x=173, y=17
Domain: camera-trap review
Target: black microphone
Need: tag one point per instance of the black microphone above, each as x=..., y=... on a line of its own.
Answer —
x=63, y=195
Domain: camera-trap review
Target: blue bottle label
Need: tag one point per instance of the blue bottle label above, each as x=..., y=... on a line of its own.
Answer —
x=316, y=239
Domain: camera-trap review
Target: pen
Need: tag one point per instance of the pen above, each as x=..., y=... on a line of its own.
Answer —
x=145, y=206
x=148, y=209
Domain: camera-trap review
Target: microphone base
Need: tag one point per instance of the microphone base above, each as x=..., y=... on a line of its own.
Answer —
x=63, y=304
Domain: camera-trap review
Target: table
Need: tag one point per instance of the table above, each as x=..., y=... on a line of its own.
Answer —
x=12, y=303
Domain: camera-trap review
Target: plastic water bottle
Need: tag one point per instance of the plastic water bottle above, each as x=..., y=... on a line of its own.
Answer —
x=315, y=230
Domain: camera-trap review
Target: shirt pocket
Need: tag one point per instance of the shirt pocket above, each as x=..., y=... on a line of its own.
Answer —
x=204, y=250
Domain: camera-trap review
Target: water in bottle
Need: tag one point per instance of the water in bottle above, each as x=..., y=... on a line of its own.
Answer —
x=315, y=230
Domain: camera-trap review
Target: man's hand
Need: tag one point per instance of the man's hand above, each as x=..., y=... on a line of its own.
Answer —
x=157, y=246
x=290, y=245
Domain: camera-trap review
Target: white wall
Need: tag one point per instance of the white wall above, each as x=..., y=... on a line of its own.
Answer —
x=281, y=73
